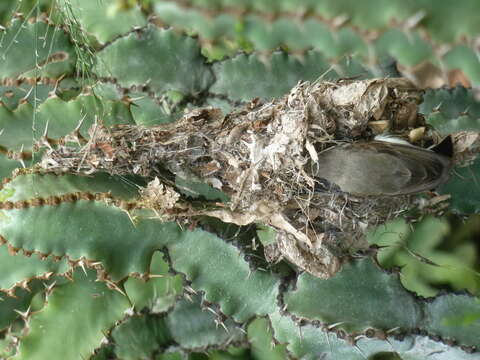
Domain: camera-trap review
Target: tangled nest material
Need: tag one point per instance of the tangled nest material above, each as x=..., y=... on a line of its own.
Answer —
x=260, y=156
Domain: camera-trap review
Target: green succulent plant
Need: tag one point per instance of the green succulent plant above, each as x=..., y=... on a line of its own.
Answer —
x=90, y=270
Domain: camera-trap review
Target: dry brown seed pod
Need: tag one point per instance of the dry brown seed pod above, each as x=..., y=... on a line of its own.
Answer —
x=382, y=168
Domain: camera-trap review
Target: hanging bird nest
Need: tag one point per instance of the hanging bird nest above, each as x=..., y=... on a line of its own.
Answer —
x=261, y=156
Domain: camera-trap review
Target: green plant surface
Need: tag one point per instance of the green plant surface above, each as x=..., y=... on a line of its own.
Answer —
x=103, y=19
x=464, y=202
x=224, y=105
x=359, y=296
x=37, y=91
x=12, y=96
x=19, y=270
x=409, y=33
x=159, y=292
x=93, y=309
x=416, y=250
x=7, y=166
x=310, y=342
x=454, y=316
x=11, y=307
x=7, y=344
x=464, y=58
x=233, y=353
x=108, y=91
x=138, y=337
x=104, y=353
x=266, y=234
x=375, y=15
x=147, y=109
x=79, y=230
x=53, y=56
x=172, y=356
x=17, y=124
x=197, y=288
x=150, y=111
x=195, y=188
x=395, y=43
x=93, y=241
x=182, y=66
x=246, y=76
x=25, y=7
x=448, y=125
x=451, y=110
x=33, y=185
x=260, y=337
x=218, y=269
x=189, y=326
x=193, y=326
x=209, y=28
x=62, y=117
x=332, y=44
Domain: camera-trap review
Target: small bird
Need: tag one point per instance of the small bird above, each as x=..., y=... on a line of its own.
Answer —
x=380, y=168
